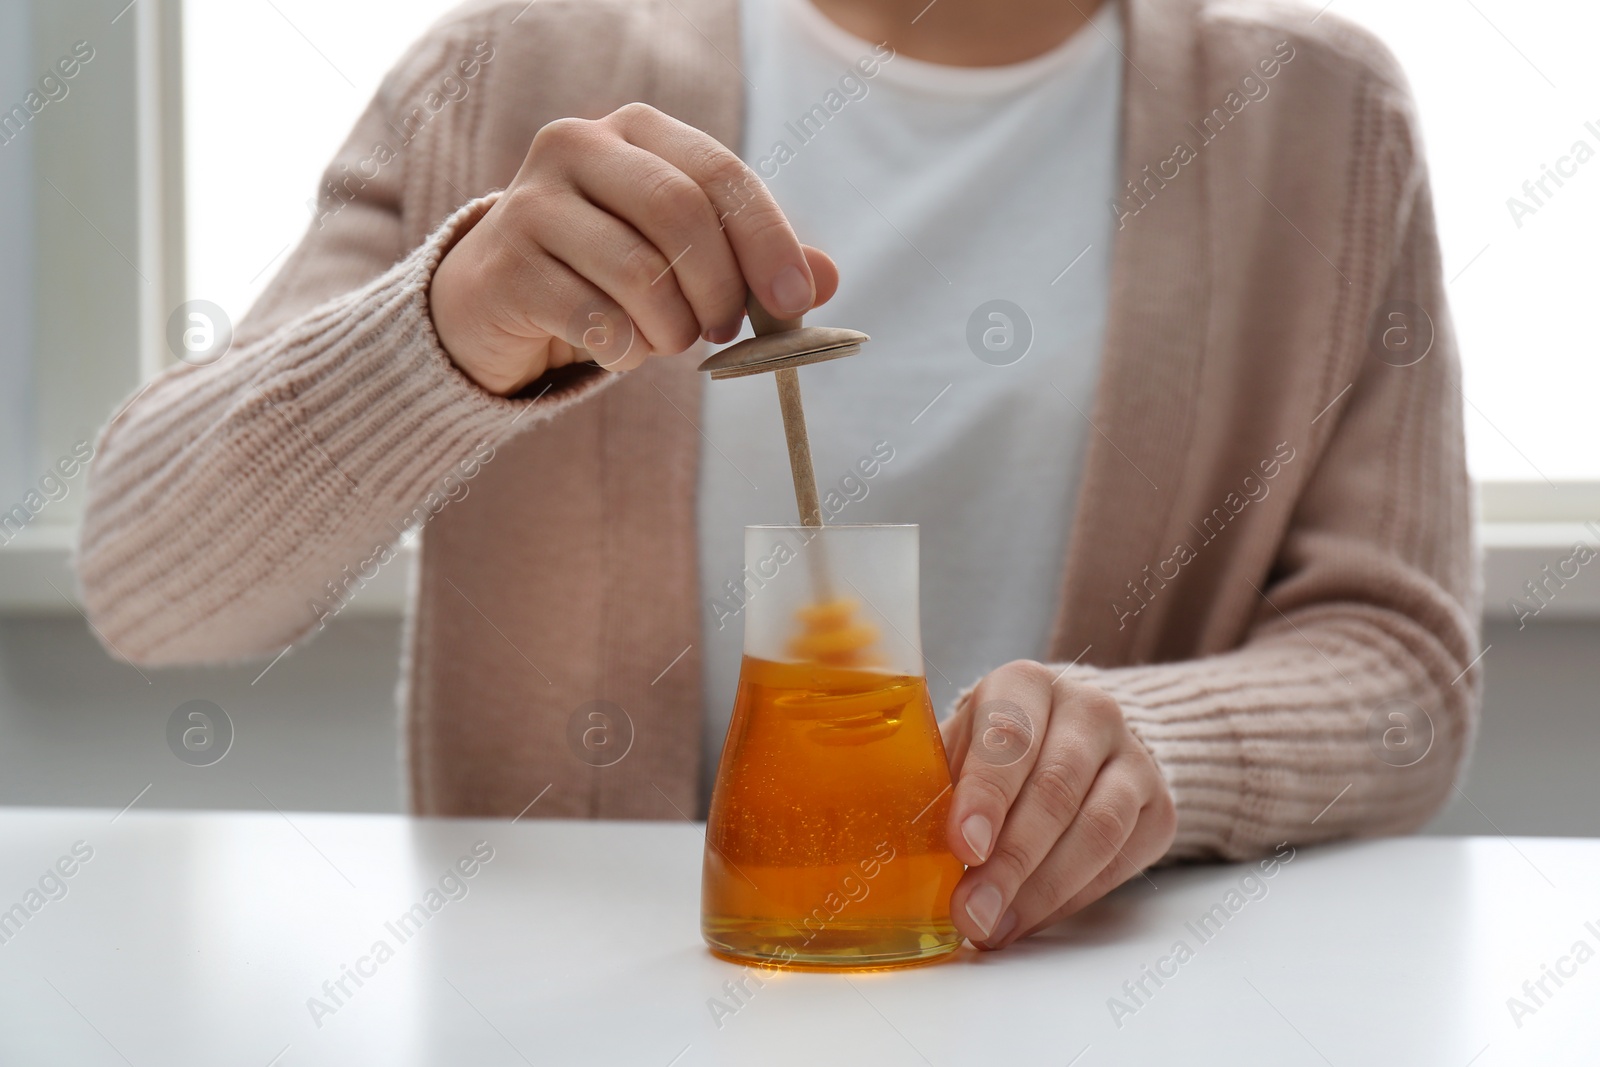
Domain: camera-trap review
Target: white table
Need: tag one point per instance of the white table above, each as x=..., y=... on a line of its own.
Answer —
x=199, y=939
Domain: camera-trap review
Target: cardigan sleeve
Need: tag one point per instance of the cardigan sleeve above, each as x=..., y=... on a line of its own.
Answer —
x=233, y=507
x=1350, y=707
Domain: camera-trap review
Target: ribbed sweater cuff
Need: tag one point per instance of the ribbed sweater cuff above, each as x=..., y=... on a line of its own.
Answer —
x=367, y=378
x=370, y=367
x=1178, y=720
x=320, y=440
x=1186, y=715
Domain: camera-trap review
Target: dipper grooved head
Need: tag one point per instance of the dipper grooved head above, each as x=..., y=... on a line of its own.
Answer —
x=784, y=350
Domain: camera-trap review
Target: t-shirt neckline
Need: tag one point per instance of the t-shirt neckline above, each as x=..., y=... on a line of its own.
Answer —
x=944, y=79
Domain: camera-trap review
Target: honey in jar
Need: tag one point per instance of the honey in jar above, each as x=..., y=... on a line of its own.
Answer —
x=826, y=844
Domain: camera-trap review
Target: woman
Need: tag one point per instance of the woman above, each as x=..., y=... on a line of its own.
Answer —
x=1193, y=488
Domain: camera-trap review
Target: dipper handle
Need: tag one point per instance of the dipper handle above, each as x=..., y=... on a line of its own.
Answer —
x=794, y=417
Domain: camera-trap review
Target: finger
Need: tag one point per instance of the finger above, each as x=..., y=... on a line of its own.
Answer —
x=606, y=337
x=1010, y=710
x=674, y=215
x=775, y=267
x=630, y=269
x=544, y=305
x=1149, y=841
x=1096, y=842
x=1081, y=736
x=1145, y=846
x=590, y=326
x=824, y=271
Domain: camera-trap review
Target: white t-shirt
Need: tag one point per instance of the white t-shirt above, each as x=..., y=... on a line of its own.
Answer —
x=939, y=191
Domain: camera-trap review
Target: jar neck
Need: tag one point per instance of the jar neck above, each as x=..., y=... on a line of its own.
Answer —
x=837, y=595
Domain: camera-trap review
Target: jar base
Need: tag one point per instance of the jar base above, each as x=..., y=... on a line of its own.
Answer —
x=847, y=949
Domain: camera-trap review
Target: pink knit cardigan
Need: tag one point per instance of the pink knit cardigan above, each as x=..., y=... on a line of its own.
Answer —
x=1271, y=565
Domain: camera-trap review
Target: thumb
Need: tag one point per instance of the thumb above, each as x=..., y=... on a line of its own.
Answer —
x=824, y=272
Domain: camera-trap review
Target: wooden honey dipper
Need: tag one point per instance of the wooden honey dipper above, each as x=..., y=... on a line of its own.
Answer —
x=830, y=632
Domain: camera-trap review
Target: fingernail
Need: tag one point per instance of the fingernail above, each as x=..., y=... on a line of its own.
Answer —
x=979, y=833
x=792, y=291
x=723, y=334
x=983, y=907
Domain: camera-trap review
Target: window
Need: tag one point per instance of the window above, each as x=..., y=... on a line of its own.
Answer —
x=271, y=89
x=80, y=252
x=1507, y=92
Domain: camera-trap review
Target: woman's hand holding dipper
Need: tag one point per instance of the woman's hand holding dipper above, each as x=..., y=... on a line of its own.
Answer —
x=635, y=222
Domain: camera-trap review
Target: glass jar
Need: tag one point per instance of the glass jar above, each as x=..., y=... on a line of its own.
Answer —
x=826, y=844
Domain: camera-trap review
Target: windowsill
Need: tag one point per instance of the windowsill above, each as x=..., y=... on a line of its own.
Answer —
x=1514, y=554
x=36, y=575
